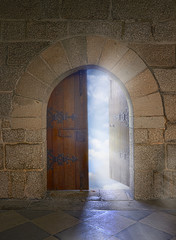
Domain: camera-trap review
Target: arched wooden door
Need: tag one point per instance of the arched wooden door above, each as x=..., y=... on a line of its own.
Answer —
x=67, y=135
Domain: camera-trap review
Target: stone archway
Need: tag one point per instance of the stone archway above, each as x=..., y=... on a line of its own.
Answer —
x=60, y=60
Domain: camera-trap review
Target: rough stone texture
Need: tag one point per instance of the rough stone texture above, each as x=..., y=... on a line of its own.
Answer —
x=129, y=66
x=150, y=105
x=149, y=157
x=3, y=53
x=165, y=31
x=21, y=53
x=144, y=190
x=4, y=184
x=28, y=86
x=35, y=184
x=1, y=156
x=171, y=156
x=25, y=107
x=158, y=181
x=156, y=55
x=26, y=123
x=170, y=133
x=13, y=30
x=149, y=122
x=56, y=58
x=17, y=184
x=5, y=103
x=166, y=79
x=138, y=32
x=36, y=30
x=110, y=29
x=84, y=9
x=76, y=49
x=56, y=30
x=24, y=156
x=140, y=135
x=156, y=136
x=94, y=48
x=6, y=123
x=145, y=10
x=51, y=8
x=168, y=184
x=40, y=70
x=141, y=85
x=174, y=184
x=169, y=104
x=34, y=135
x=13, y=135
x=111, y=54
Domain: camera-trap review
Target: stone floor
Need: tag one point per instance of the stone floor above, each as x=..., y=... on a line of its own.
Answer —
x=93, y=215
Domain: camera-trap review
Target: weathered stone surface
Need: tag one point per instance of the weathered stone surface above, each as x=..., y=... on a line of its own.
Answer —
x=6, y=123
x=110, y=29
x=168, y=184
x=22, y=53
x=156, y=135
x=145, y=10
x=25, y=107
x=170, y=133
x=171, y=156
x=3, y=53
x=51, y=9
x=144, y=190
x=111, y=54
x=36, y=30
x=129, y=66
x=166, y=79
x=140, y=135
x=76, y=49
x=35, y=184
x=169, y=104
x=28, y=86
x=34, y=135
x=165, y=31
x=17, y=184
x=94, y=48
x=174, y=184
x=24, y=156
x=13, y=30
x=150, y=105
x=40, y=70
x=56, y=30
x=13, y=135
x=4, y=184
x=1, y=156
x=91, y=9
x=156, y=55
x=56, y=58
x=141, y=85
x=149, y=122
x=138, y=32
x=158, y=182
x=149, y=157
x=26, y=123
x=5, y=103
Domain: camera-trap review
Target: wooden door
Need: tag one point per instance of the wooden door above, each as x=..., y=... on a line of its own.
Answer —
x=67, y=135
x=118, y=135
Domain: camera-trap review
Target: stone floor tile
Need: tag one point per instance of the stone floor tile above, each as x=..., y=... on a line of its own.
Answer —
x=172, y=212
x=51, y=238
x=110, y=222
x=141, y=231
x=41, y=205
x=26, y=231
x=9, y=219
x=113, y=238
x=135, y=215
x=161, y=221
x=82, y=231
x=56, y=222
x=32, y=214
x=85, y=214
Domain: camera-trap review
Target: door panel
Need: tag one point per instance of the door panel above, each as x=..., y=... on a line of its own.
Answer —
x=67, y=134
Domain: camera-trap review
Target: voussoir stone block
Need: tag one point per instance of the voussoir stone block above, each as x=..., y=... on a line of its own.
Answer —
x=35, y=184
x=13, y=30
x=94, y=48
x=5, y=104
x=1, y=156
x=24, y=156
x=56, y=58
x=144, y=190
x=169, y=104
x=129, y=66
x=26, y=123
x=17, y=184
x=166, y=79
x=149, y=122
x=171, y=156
x=112, y=53
x=165, y=31
x=76, y=49
x=149, y=157
x=150, y=105
x=141, y=85
x=4, y=184
x=13, y=135
x=170, y=133
x=40, y=70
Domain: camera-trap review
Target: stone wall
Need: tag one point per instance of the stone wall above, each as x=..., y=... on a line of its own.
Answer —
x=43, y=41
